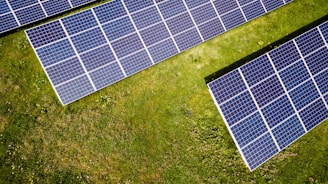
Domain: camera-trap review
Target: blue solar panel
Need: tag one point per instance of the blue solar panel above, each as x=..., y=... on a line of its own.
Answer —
x=227, y=86
x=53, y=7
x=30, y=14
x=16, y=13
x=273, y=89
x=272, y=4
x=188, y=39
x=171, y=8
x=110, y=11
x=309, y=42
x=88, y=40
x=97, y=57
x=7, y=22
x=4, y=8
x=118, y=28
x=193, y=3
x=258, y=70
x=17, y=4
x=314, y=114
x=136, y=62
x=284, y=55
x=133, y=41
x=260, y=150
x=278, y=111
x=107, y=75
x=231, y=109
x=74, y=89
x=55, y=52
x=253, y=10
x=138, y=5
x=163, y=50
x=321, y=80
x=136, y=34
x=249, y=129
x=46, y=34
x=286, y=97
x=233, y=19
x=146, y=17
x=211, y=29
x=204, y=13
x=318, y=61
x=304, y=94
x=225, y=6
x=294, y=75
x=288, y=131
x=150, y=36
x=244, y=2
x=65, y=71
x=79, y=22
x=324, y=31
x=180, y=23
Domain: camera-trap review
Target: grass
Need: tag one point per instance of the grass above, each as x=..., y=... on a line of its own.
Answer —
x=158, y=126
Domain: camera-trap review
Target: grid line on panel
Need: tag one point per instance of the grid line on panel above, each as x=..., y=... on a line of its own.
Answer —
x=137, y=31
x=259, y=109
x=287, y=94
x=44, y=11
x=13, y=13
x=70, y=3
x=140, y=10
x=257, y=138
x=309, y=71
x=193, y=20
x=324, y=40
x=309, y=104
x=219, y=17
x=263, y=6
x=108, y=42
x=77, y=54
x=242, y=12
x=68, y=81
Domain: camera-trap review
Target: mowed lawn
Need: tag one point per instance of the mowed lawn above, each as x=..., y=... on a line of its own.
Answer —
x=158, y=126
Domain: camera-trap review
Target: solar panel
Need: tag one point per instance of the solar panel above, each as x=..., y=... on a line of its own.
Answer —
x=126, y=37
x=16, y=13
x=270, y=102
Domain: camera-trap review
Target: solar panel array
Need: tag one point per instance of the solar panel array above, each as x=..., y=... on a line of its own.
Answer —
x=15, y=13
x=90, y=50
x=273, y=100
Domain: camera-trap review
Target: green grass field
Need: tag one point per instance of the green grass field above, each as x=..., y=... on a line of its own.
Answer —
x=158, y=126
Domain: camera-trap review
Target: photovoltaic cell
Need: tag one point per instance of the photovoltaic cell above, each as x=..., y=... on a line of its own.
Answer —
x=106, y=75
x=233, y=19
x=253, y=10
x=16, y=13
x=321, y=80
x=318, y=61
x=98, y=57
x=286, y=96
x=288, y=131
x=133, y=34
x=294, y=75
x=258, y=70
x=284, y=55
